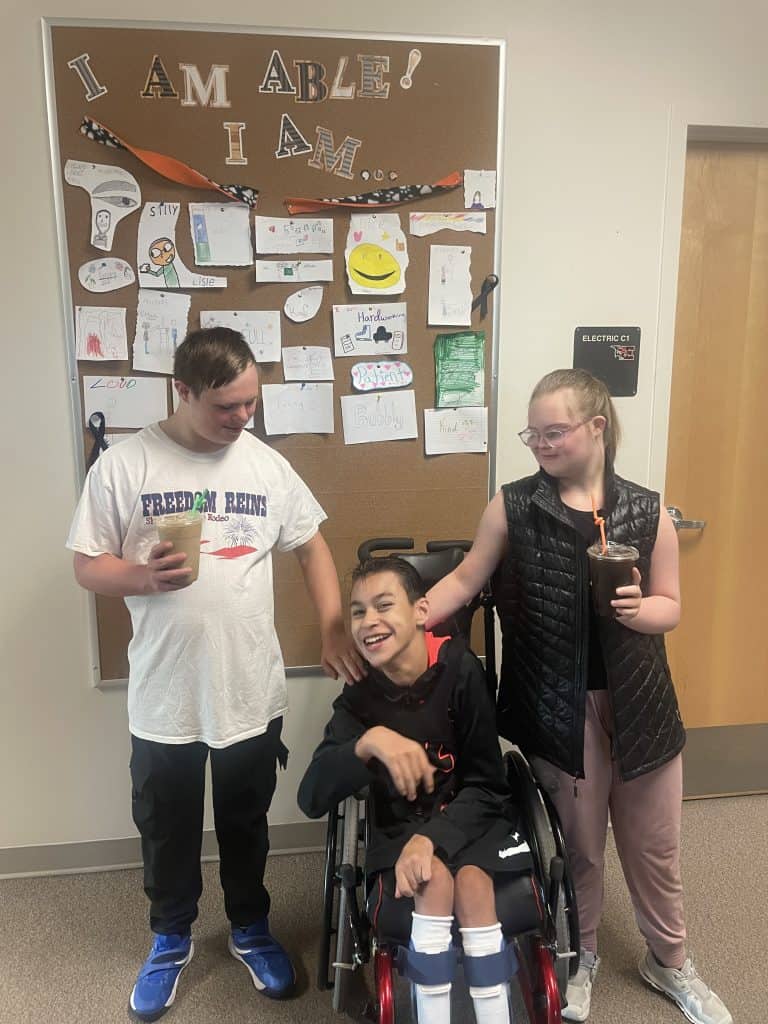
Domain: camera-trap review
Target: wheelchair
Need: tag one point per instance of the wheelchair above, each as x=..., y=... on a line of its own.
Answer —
x=537, y=909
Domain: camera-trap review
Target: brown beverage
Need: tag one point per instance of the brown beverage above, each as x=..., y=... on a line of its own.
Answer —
x=183, y=530
x=609, y=571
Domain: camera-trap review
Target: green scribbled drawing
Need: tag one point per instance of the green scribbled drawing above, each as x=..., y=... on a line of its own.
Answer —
x=459, y=369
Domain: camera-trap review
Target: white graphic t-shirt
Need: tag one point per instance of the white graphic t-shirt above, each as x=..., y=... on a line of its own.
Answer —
x=205, y=663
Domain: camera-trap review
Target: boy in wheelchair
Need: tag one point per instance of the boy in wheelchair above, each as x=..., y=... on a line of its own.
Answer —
x=419, y=731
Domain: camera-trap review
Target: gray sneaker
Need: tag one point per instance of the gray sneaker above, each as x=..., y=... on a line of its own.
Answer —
x=579, y=994
x=697, y=1001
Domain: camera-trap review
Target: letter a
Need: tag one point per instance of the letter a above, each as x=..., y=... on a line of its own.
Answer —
x=276, y=78
x=292, y=142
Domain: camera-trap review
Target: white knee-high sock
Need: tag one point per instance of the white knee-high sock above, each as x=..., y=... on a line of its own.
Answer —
x=432, y=935
x=491, y=1004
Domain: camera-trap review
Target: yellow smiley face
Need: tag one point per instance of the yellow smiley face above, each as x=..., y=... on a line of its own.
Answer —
x=373, y=267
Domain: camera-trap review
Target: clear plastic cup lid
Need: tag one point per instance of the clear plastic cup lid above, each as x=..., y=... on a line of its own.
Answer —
x=618, y=551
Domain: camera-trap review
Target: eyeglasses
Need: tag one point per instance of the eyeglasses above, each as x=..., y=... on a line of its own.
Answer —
x=552, y=438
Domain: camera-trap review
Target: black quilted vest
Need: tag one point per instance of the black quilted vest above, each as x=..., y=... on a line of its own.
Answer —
x=541, y=591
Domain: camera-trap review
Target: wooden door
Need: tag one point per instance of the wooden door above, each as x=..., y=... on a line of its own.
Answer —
x=717, y=468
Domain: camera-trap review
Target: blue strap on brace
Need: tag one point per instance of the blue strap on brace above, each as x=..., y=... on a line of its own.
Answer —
x=426, y=968
x=496, y=969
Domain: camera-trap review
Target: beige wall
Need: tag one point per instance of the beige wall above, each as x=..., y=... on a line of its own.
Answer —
x=598, y=99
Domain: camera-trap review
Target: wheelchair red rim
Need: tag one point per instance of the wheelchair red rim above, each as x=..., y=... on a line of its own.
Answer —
x=546, y=968
x=385, y=996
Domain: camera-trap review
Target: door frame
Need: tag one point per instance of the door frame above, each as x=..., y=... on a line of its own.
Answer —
x=736, y=751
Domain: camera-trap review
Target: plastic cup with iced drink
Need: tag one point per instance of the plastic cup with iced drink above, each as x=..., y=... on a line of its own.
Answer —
x=183, y=530
x=608, y=570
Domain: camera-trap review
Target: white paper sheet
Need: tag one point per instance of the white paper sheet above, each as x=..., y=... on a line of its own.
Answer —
x=100, y=332
x=450, y=287
x=298, y=408
x=370, y=330
x=283, y=235
x=307, y=362
x=455, y=430
x=221, y=234
x=376, y=256
x=259, y=327
x=161, y=326
x=105, y=275
x=479, y=190
x=114, y=193
x=126, y=401
x=422, y=224
x=381, y=376
x=159, y=263
x=389, y=416
x=293, y=271
x=302, y=305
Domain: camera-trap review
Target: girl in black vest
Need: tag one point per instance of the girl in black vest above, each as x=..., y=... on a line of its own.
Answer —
x=588, y=697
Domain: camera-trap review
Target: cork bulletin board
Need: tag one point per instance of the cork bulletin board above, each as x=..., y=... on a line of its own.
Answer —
x=288, y=116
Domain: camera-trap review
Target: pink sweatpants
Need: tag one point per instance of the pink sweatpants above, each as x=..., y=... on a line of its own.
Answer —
x=645, y=814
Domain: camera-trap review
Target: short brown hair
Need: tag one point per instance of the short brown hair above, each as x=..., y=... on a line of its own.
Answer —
x=410, y=578
x=594, y=399
x=210, y=358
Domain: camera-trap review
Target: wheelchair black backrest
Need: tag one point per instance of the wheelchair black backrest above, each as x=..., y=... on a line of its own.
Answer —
x=440, y=558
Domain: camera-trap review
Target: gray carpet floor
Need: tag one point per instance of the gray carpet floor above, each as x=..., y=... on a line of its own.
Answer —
x=70, y=945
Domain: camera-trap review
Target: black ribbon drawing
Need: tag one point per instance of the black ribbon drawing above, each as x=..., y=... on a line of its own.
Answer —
x=97, y=425
x=482, y=299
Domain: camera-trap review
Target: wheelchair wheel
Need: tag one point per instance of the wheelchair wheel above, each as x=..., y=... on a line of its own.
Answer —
x=546, y=842
x=343, y=964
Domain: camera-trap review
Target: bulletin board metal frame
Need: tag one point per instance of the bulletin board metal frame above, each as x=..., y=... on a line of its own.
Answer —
x=324, y=185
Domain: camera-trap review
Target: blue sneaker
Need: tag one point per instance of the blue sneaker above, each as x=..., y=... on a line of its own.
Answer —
x=155, y=987
x=268, y=963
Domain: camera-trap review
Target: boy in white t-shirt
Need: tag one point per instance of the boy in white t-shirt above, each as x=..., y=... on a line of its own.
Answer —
x=206, y=671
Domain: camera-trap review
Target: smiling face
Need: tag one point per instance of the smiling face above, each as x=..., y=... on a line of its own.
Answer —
x=162, y=252
x=217, y=416
x=387, y=628
x=373, y=267
x=582, y=445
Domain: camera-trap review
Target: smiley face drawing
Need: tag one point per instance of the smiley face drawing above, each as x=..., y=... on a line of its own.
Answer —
x=371, y=266
x=162, y=252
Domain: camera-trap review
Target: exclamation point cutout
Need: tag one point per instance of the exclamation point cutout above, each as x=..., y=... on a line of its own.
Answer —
x=413, y=61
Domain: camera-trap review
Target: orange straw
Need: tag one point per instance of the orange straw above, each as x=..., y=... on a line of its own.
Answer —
x=599, y=521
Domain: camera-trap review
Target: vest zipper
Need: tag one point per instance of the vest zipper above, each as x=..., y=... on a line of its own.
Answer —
x=581, y=690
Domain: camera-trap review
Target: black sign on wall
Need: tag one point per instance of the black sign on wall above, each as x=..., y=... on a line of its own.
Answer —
x=610, y=353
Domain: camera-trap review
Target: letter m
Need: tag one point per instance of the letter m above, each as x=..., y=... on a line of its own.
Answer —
x=195, y=92
x=336, y=161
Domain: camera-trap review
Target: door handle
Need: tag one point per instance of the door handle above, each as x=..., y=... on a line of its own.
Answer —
x=684, y=524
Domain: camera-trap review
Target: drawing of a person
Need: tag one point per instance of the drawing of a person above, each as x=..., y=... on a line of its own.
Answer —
x=477, y=201
x=174, y=334
x=103, y=220
x=162, y=252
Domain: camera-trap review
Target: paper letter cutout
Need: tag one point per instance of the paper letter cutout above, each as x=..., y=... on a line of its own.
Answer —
x=93, y=88
x=334, y=161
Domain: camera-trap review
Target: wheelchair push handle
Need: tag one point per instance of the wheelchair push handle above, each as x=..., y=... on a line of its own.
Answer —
x=368, y=547
x=447, y=545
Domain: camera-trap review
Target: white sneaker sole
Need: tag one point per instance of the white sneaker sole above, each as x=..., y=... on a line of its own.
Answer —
x=172, y=996
x=572, y=1013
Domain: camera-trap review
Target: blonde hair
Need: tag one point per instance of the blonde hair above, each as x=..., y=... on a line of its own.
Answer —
x=594, y=400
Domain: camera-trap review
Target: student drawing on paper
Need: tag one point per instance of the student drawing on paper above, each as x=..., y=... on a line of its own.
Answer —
x=477, y=201
x=102, y=220
x=162, y=252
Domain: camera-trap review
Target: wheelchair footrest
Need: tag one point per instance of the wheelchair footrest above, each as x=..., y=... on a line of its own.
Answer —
x=496, y=969
x=426, y=968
